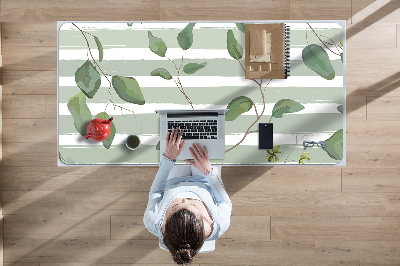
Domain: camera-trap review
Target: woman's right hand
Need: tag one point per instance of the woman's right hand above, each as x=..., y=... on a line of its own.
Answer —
x=201, y=161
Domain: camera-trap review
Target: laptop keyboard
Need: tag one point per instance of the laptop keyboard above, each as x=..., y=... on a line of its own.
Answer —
x=195, y=129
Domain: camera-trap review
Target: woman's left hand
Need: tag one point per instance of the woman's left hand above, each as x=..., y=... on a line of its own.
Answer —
x=173, y=148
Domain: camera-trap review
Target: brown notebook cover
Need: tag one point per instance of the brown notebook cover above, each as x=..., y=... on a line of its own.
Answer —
x=265, y=52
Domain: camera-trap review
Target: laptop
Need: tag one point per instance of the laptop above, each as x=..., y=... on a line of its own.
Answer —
x=204, y=127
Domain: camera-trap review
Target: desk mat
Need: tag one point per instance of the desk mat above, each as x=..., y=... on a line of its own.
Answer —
x=129, y=70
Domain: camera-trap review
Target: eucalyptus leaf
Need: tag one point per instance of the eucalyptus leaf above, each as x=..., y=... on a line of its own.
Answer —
x=334, y=146
x=238, y=106
x=193, y=67
x=88, y=79
x=316, y=59
x=80, y=112
x=185, y=37
x=158, y=146
x=157, y=45
x=341, y=57
x=276, y=159
x=240, y=26
x=99, y=47
x=341, y=42
x=128, y=89
x=162, y=72
x=129, y=24
x=234, y=48
x=286, y=106
x=340, y=108
x=108, y=141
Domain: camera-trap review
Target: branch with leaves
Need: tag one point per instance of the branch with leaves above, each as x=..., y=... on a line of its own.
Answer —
x=185, y=41
x=88, y=79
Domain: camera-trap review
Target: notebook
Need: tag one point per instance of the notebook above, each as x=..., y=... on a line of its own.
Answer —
x=267, y=51
x=204, y=127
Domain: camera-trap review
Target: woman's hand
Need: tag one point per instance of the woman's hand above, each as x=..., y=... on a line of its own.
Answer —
x=201, y=161
x=173, y=148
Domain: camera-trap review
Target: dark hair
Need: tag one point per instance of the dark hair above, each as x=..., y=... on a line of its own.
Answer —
x=184, y=235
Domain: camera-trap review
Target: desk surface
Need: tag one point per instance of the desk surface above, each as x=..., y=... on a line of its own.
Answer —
x=312, y=106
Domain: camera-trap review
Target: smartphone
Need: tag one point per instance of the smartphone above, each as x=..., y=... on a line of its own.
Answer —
x=265, y=135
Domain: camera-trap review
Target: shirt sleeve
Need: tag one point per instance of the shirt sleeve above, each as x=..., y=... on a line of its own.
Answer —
x=224, y=204
x=156, y=194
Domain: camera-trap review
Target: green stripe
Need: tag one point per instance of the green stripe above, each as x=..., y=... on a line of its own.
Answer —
x=220, y=95
x=215, y=67
x=148, y=154
x=288, y=124
x=206, y=38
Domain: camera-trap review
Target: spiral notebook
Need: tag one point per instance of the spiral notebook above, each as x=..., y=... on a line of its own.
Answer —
x=267, y=51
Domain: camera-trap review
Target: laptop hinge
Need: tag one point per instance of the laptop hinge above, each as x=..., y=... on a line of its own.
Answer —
x=192, y=114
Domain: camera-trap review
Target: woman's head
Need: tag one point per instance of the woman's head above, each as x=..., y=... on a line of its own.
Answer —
x=184, y=235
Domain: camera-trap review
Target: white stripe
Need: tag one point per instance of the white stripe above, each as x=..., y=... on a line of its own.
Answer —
x=217, y=81
x=94, y=26
x=149, y=108
x=172, y=53
x=152, y=139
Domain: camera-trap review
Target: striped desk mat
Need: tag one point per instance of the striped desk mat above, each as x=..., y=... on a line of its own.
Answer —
x=311, y=107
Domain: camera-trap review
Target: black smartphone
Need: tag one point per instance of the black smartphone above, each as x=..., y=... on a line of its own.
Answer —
x=265, y=135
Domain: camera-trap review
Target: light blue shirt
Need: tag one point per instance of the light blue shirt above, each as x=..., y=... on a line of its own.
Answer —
x=209, y=188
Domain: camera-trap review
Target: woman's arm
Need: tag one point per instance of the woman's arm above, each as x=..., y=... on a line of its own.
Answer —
x=156, y=193
x=224, y=203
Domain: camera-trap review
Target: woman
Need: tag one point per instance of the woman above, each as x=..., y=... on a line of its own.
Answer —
x=186, y=211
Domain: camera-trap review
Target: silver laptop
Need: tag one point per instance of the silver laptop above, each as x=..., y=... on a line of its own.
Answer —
x=204, y=127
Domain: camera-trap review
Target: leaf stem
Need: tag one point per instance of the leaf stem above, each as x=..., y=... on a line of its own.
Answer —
x=321, y=40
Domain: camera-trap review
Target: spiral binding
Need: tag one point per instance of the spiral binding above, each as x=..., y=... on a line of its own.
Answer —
x=286, y=51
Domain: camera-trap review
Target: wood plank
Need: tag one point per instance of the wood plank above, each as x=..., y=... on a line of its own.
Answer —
x=30, y=82
x=376, y=84
x=51, y=106
x=383, y=108
x=29, y=34
x=223, y=10
x=365, y=155
x=59, y=10
x=108, y=264
x=148, y=251
x=384, y=60
x=21, y=264
x=129, y=227
x=366, y=131
x=384, y=36
x=51, y=226
x=22, y=58
x=110, y=203
x=371, y=180
x=24, y=106
x=369, y=12
x=321, y=9
x=363, y=252
x=96, y=178
x=245, y=203
x=335, y=228
x=393, y=204
x=281, y=179
x=358, y=6
x=356, y=108
x=246, y=227
x=40, y=130
x=308, y=204
x=33, y=202
x=30, y=154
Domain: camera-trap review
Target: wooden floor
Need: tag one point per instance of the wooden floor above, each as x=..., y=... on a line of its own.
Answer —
x=281, y=215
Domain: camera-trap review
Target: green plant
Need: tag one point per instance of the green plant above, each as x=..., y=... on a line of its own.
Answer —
x=304, y=156
x=272, y=153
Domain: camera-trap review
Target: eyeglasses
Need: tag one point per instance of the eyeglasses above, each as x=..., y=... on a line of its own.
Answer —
x=307, y=144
